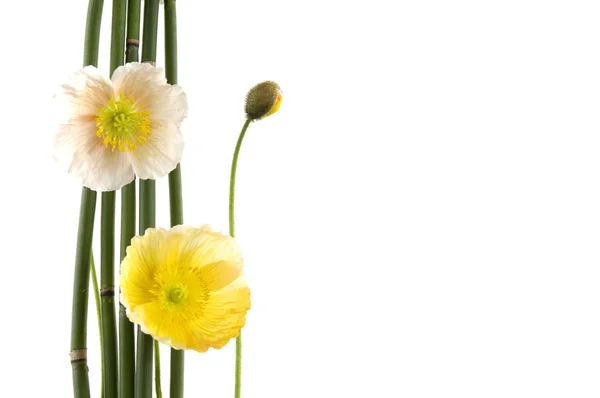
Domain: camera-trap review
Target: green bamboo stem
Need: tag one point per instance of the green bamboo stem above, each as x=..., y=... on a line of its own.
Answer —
x=238, y=340
x=117, y=39
x=107, y=294
x=150, y=31
x=107, y=236
x=143, y=374
x=92, y=32
x=175, y=189
x=133, y=30
x=126, y=329
x=81, y=279
x=99, y=317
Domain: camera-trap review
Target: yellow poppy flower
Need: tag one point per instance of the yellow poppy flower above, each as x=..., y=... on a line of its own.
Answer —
x=184, y=287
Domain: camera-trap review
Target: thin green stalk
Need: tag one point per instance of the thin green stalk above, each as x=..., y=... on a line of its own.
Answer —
x=150, y=31
x=238, y=340
x=117, y=39
x=236, y=154
x=157, y=369
x=99, y=317
x=133, y=30
x=126, y=330
x=81, y=279
x=107, y=294
x=107, y=238
x=81, y=282
x=143, y=374
x=175, y=190
x=92, y=32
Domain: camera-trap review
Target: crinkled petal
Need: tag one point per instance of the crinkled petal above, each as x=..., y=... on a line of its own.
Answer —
x=220, y=320
x=146, y=83
x=80, y=152
x=87, y=91
x=225, y=313
x=160, y=155
x=144, y=256
x=171, y=106
x=209, y=247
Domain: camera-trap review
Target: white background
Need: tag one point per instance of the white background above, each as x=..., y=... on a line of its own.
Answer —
x=420, y=219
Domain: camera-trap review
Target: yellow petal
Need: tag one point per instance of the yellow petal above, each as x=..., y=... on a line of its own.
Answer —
x=139, y=267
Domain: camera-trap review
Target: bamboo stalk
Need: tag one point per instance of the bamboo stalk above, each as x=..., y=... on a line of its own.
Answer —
x=143, y=374
x=133, y=30
x=107, y=294
x=107, y=237
x=117, y=39
x=81, y=383
x=81, y=279
x=126, y=330
x=175, y=189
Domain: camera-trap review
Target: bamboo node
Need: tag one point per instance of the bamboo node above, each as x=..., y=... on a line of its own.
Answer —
x=133, y=42
x=107, y=291
x=78, y=355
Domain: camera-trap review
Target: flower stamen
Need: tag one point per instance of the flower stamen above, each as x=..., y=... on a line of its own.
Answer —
x=123, y=124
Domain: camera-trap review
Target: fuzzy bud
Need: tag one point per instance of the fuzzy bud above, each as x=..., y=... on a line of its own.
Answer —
x=263, y=100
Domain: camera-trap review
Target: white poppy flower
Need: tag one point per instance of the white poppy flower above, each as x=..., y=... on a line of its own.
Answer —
x=121, y=128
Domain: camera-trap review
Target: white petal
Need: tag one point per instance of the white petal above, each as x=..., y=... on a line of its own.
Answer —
x=88, y=89
x=171, y=106
x=148, y=85
x=80, y=152
x=142, y=81
x=160, y=155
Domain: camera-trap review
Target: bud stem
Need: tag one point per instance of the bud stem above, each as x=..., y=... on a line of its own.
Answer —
x=238, y=340
x=236, y=153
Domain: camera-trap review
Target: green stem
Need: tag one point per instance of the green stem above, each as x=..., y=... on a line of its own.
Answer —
x=232, y=178
x=238, y=365
x=126, y=330
x=107, y=294
x=92, y=32
x=81, y=279
x=150, y=31
x=107, y=241
x=99, y=316
x=143, y=374
x=175, y=190
x=238, y=340
x=133, y=30
x=157, y=369
x=117, y=40
x=81, y=282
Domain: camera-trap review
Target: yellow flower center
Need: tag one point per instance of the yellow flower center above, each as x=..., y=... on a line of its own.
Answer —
x=123, y=124
x=177, y=294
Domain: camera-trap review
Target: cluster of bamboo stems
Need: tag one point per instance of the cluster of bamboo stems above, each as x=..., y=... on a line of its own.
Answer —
x=126, y=370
